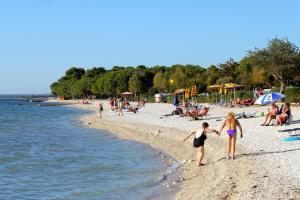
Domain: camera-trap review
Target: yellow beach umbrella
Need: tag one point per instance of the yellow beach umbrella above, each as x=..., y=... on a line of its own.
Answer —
x=233, y=86
x=179, y=91
x=214, y=87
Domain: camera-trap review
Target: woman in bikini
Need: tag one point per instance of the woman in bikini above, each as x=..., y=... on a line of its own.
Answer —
x=231, y=123
x=200, y=137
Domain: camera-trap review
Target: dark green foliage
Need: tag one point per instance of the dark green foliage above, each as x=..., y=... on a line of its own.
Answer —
x=280, y=59
x=276, y=65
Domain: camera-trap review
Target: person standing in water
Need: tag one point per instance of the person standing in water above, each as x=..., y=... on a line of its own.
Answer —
x=200, y=137
x=231, y=123
x=100, y=109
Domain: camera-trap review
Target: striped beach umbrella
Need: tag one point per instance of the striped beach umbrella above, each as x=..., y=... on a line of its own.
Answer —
x=269, y=98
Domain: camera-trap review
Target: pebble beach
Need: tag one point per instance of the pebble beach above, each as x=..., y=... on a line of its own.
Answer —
x=267, y=167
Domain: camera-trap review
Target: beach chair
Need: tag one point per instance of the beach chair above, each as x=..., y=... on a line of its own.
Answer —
x=289, y=120
x=221, y=102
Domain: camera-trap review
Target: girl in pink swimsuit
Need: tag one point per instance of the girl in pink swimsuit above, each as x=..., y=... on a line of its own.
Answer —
x=231, y=123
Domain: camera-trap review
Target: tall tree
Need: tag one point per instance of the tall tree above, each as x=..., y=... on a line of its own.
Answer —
x=212, y=75
x=280, y=58
x=134, y=84
x=161, y=82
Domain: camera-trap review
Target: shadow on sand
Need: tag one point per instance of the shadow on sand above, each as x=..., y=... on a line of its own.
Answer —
x=260, y=153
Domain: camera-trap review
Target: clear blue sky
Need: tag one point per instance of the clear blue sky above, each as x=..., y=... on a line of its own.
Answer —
x=40, y=39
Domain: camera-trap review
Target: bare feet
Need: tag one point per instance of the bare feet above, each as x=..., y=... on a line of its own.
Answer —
x=200, y=164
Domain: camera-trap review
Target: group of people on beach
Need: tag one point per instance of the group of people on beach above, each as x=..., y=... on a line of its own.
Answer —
x=119, y=105
x=231, y=124
x=280, y=115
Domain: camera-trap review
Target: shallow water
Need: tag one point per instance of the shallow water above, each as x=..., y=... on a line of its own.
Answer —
x=46, y=154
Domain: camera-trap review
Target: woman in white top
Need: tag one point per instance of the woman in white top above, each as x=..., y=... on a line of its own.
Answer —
x=200, y=137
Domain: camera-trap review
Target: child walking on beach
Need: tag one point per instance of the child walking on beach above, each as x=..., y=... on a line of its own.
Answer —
x=200, y=137
x=231, y=123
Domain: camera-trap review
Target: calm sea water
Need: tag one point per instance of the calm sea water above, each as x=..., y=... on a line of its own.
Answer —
x=46, y=154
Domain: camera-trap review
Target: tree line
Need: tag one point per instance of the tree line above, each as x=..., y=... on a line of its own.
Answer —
x=278, y=64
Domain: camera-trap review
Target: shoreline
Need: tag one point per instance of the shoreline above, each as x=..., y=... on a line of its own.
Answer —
x=247, y=177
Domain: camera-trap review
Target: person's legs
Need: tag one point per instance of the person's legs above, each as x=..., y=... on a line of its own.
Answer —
x=266, y=118
x=269, y=119
x=228, y=147
x=278, y=120
x=233, y=142
x=200, y=155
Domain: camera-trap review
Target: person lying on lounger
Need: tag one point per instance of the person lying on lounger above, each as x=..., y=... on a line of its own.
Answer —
x=192, y=112
x=202, y=113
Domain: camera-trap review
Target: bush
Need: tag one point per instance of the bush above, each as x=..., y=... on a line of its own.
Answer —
x=292, y=95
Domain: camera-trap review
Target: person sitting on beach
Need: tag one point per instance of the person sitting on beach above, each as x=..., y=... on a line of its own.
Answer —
x=231, y=123
x=282, y=118
x=200, y=137
x=130, y=108
x=192, y=112
x=203, y=111
x=271, y=115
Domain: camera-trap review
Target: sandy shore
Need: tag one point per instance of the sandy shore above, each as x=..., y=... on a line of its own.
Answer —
x=266, y=166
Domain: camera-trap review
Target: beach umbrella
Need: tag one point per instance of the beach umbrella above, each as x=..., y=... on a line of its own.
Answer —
x=126, y=93
x=269, y=98
x=233, y=86
x=179, y=91
x=215, y=88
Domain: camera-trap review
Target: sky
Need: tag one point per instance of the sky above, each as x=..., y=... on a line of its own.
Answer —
x=41, y=39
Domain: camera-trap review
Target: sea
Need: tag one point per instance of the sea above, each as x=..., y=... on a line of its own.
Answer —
x=46, y=153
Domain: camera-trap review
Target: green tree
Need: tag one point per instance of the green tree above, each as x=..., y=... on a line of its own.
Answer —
x=259, y=76
x=161, y=82
x=212, y=75
x=134, y=84
x=228, y=69
x=244, y=73
x=280, y=58
x=180, y=78
x=54, y=88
